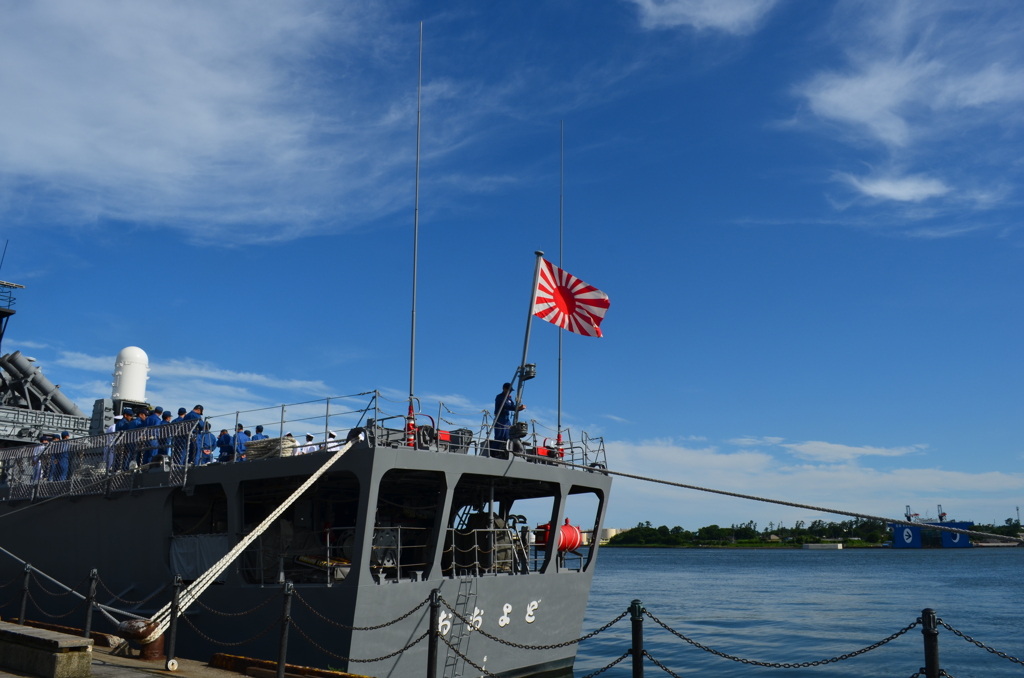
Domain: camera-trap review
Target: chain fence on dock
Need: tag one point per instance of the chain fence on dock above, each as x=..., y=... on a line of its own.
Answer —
x=785, y=665
x=439, y=635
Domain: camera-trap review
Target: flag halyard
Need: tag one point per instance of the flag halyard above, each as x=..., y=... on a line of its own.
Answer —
x=566, y=301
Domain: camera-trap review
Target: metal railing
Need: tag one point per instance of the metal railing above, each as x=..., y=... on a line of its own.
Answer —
x=99, y=464
x=500, y=550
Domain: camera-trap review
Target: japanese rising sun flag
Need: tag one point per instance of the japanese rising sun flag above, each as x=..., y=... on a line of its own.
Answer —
x=566, y=301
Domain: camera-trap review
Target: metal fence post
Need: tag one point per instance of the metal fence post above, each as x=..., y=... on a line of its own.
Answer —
x=280, y=441
x=172, y=633
x=636, y=616
x=24, y=594
x=90, y=602
x=286, y=621
x=435, y=608
x=931, y=643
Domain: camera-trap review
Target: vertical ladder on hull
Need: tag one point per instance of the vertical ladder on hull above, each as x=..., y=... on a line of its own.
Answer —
x=465, y=601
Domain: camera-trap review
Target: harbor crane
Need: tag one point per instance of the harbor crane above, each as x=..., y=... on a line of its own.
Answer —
x=910, y=516
x=942, y=514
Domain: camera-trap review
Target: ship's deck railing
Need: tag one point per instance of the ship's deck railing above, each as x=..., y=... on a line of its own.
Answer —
x=499, y=550
x=387, y=423
x=101, y=464
x=397, y=553
x=111, y=462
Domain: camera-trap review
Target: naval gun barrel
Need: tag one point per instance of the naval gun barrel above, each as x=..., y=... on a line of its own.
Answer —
x=20, y=368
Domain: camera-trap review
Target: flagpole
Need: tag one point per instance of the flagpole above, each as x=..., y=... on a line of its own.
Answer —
x=411, y=424
x=526, y=340
x=561, y=213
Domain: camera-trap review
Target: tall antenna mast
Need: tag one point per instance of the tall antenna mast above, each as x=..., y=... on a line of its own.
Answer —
x=415, y=245
x=561, y=213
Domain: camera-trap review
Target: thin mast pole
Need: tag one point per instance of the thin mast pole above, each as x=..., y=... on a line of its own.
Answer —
x=529, y=325
x=415, y=233
x=561, y=221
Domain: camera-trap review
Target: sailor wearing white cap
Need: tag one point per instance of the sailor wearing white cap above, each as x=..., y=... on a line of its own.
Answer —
x=308, y=447
x=333, y=444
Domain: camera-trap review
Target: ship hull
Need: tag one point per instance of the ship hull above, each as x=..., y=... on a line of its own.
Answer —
x=133, y=538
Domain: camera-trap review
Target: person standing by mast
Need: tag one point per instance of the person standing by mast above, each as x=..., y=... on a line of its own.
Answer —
x=504, y=408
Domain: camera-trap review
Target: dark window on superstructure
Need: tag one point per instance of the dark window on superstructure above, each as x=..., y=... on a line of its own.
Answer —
x=408, y=505
x=582, y=510
x=205, y=511
x=312, y=541
x=492, y=526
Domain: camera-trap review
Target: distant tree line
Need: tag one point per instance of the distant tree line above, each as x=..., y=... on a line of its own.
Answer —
x=645, y=534
x=747, y=534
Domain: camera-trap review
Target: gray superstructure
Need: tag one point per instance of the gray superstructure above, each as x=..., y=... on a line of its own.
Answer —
x=393, y=519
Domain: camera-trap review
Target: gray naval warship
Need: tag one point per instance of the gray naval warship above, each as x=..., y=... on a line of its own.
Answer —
x=402, y=508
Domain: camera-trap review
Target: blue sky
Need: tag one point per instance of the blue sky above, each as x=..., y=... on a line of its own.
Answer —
x=807, y=217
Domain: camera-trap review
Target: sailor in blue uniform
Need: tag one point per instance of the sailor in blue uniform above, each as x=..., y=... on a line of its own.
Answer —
x=153, y=446
x=197, y=415
x=504, y=408
x=259, y=435
x=238, y=443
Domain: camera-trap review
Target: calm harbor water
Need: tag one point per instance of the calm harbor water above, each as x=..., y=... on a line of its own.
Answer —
x=795, y=606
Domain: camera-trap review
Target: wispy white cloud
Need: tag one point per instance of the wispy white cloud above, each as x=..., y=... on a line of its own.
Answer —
x=616, y=419
x=914, y=188
x=817, y=450
x=754, y=441
x=738, y=17
x=922, y=87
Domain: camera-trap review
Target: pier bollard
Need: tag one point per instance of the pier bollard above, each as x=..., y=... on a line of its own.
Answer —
x=172, y=664
x=636, y=616
x=24, y=594
x=90, y=603
x=435, y=608
x=286, y=621
x=931, y=643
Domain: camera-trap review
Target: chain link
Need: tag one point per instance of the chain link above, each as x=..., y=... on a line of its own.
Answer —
x=51, y=593
x=942, y=672
x=359, y=628
x=602, y=670
x=218, y=642
x=535, y=647
x=13, y=598
x=131, y=602
x=55, y=616
x=661, y=666
x=778, y=665
x=350, y=659
x=235, y=614
x=467, y=659
x=17, y=578
x=978, y=643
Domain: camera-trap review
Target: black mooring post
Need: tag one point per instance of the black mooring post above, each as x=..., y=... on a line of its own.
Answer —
x=435, y=608
x=172, y=664
x=24, y=594
x=931, y=643
x=636, y=615
x=90, y=603
x=286, y=621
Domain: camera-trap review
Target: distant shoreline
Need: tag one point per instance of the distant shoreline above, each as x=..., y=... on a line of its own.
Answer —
x=751, y=547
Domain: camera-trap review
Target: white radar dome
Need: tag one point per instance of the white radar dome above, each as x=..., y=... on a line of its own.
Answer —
x=131, y=370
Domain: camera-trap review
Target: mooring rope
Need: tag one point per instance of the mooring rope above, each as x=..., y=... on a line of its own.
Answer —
x=780, y=502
